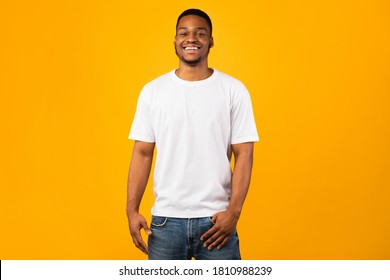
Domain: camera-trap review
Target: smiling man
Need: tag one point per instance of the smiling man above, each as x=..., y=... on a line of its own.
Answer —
x=196, y=117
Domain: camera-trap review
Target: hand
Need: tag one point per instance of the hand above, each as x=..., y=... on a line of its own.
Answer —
x=136, y=223
x=224, y=225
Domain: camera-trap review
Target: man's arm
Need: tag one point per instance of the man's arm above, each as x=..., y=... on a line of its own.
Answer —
x=140, y=166
x=225, y=222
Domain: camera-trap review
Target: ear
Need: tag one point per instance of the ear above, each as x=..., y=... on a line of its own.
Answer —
x=211, y=42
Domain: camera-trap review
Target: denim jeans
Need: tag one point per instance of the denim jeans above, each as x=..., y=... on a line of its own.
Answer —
x=179, y=239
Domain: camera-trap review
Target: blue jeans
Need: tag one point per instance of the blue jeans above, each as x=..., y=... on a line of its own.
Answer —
x=179, y=239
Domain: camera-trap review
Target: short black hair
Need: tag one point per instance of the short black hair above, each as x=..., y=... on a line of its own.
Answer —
x=198, y=13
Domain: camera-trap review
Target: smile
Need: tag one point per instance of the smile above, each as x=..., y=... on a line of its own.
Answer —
x=191, y=48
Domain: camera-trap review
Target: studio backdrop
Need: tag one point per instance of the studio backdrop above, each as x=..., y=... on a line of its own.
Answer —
x=318, y=75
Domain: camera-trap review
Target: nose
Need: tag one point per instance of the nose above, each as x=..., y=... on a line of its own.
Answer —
x=191, y=38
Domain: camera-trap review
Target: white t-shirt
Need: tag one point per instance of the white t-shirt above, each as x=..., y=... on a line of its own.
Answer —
x=193, y=125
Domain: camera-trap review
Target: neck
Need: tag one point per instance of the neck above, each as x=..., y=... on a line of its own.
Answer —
x=193, y=73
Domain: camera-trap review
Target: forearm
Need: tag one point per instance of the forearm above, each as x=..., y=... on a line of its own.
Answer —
x=140, y=166
x=241, y=178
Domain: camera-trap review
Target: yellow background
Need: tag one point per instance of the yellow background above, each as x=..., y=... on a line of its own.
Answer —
x=318, y=73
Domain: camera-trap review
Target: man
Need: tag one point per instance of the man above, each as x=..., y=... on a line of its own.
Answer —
x=196, y=117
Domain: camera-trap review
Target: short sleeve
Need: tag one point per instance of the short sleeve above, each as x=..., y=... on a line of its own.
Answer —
x=243, y=125
x=142, y=129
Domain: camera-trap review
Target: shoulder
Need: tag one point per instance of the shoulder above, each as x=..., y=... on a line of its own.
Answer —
x=231, y=81
x=156, y=88
x=235, y=89
x=159, y=81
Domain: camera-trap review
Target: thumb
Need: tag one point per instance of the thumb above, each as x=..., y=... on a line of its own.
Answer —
x=146, y=228
x=214, y=218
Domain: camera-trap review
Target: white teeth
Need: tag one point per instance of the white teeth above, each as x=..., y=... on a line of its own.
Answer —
x=191, y=48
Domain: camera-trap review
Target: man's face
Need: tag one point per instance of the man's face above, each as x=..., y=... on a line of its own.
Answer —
x=193, y=40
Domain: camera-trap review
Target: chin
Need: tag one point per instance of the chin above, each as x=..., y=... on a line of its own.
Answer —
x=192, y=62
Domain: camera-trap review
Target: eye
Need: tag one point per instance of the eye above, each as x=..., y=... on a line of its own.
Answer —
x=183, y=34
x=200, y=34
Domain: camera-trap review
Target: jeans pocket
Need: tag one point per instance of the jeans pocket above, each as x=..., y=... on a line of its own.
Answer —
x=158, y=222
x=211, y=220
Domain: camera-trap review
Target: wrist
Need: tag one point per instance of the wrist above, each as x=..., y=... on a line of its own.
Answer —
x=234, y=211
x=131, y=210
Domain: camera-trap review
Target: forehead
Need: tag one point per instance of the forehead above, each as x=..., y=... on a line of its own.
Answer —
x=193, y=22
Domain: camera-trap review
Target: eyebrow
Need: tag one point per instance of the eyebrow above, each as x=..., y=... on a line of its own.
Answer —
x=198, y=28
